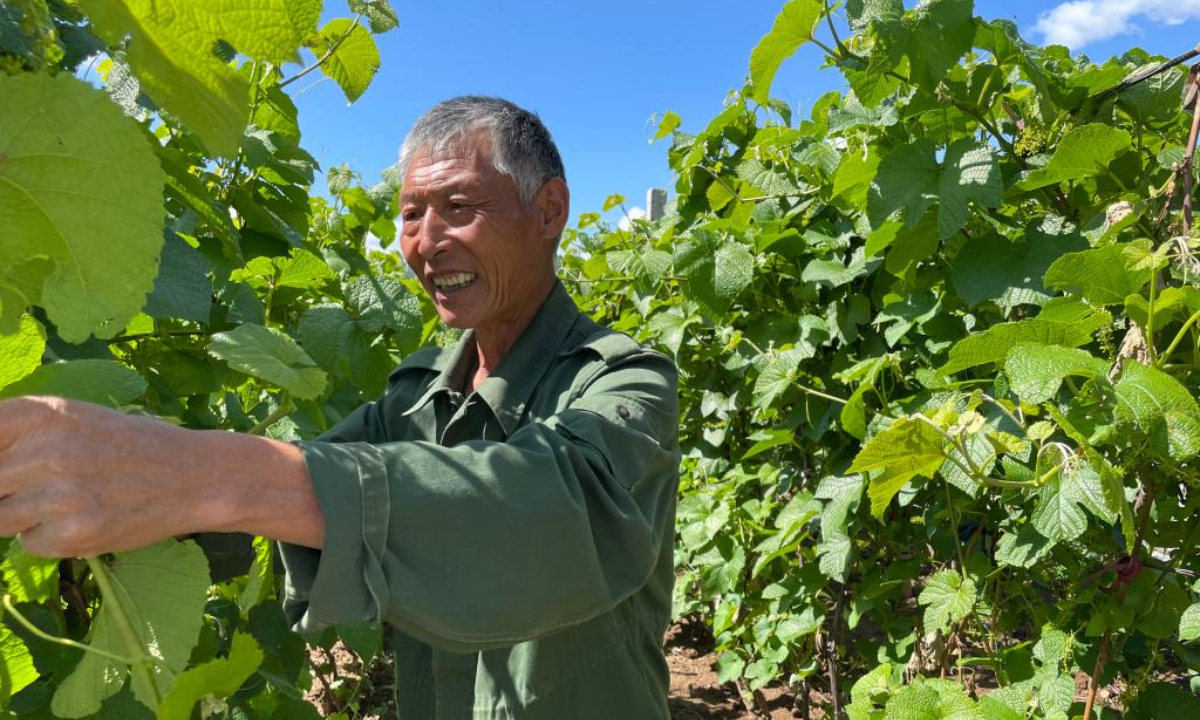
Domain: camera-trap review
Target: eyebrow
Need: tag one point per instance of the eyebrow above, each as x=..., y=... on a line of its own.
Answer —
x=447, y=188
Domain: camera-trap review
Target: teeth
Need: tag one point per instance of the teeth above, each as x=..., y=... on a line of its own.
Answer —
x=453, y=281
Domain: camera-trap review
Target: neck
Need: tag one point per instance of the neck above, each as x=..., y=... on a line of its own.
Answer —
x=492, y=342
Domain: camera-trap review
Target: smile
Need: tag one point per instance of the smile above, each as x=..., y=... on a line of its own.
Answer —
x=454, y=281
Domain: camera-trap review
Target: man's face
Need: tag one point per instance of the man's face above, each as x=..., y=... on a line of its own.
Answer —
x=466, y=234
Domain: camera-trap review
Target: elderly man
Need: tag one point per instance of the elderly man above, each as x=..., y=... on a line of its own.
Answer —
x=506, y=507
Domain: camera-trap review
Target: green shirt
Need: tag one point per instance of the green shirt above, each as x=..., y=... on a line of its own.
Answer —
x=518, y=539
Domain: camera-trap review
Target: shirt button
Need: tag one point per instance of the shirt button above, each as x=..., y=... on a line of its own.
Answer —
x=623, y=412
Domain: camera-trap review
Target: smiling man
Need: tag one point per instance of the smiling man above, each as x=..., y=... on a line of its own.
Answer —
x=506, y=507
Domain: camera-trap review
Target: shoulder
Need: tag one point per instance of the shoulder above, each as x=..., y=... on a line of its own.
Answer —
x=607, y=359
x=608, y=346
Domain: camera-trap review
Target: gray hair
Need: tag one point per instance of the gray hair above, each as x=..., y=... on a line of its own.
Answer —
x=521, y=145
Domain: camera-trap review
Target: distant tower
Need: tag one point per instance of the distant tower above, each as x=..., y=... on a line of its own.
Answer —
x=656, y=203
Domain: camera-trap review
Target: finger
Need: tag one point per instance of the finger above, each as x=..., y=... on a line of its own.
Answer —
x=17, y=515
x=42, y=541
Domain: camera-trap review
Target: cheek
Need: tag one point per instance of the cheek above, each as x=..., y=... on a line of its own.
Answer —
x=408, y=249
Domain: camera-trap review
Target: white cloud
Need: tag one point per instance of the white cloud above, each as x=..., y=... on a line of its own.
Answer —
x=1080, y=22
x=634, y=214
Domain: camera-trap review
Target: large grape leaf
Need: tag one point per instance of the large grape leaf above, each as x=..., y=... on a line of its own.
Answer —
x=1067, y=323
x=939, y=33
x=269, y=355
x=169, y=44
x=1084, y=152
x=353, y=63
x=380, y=302
x=218, y=678
x=1058, y=516
x=1037, y=371
x=85, y=196
x=162, y=590
x=104, y=382
x=971, y=174
x=793, y=27
x=182, y=289
x=733, y=269
x=910, y=447
x=909, y=177
x=1101, y=276
x=990, y=267
x=1161, y=406
x=21, y=352
x=948, y=597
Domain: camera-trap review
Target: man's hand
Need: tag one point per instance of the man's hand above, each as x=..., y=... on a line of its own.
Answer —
x=77, y=480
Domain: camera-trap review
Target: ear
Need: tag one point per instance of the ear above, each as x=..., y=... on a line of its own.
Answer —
x=553, y=207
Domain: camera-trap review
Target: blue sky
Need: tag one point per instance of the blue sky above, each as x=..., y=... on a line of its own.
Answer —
x=598, y=72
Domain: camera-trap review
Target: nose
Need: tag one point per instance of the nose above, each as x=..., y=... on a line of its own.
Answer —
x=431, y=234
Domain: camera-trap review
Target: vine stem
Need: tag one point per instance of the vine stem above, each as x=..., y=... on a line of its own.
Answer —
x=133, y=644
x=65, y=642
x=285, y=407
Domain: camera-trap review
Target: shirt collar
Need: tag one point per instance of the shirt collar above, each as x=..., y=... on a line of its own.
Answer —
x=508, y=389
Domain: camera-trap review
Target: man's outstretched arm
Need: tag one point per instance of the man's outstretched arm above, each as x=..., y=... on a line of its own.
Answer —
x=78, y=480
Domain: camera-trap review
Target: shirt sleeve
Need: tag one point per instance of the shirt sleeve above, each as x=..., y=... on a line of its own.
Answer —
x=487, y=544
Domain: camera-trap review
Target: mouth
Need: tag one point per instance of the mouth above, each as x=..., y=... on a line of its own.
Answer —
x=448, y=283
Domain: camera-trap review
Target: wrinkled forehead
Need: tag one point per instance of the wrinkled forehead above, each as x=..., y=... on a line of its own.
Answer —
x=471, y=145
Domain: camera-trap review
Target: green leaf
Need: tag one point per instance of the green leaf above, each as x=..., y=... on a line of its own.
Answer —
x=380, y=302
x=1058, y=516
x=910, y=447
x=733, y=269
x=1145, y=395
x=793, y=27
x=169, y=45
x=1100, y=275
x=908, y=177
x=1189, y=624
x=1037, y=371
x=940, y=32
x=777, y=376
x=16, y=666
x=1022, y=549
x=304, y=270
x=219, y=678
x=269, y=355
x=1160, y=406
x=948, y=597
x=182, y=289
x=1066, y=323
x=990, y=267
x=162, y=590
x=354, y=62
x=1085, y=151
x=103, y=382
x=853, y=178
x=930, y=700
x=971, y=175
x=29, y=578
x=667, y=124
x=72, y=193
x=21, y=352
x=379, y=13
